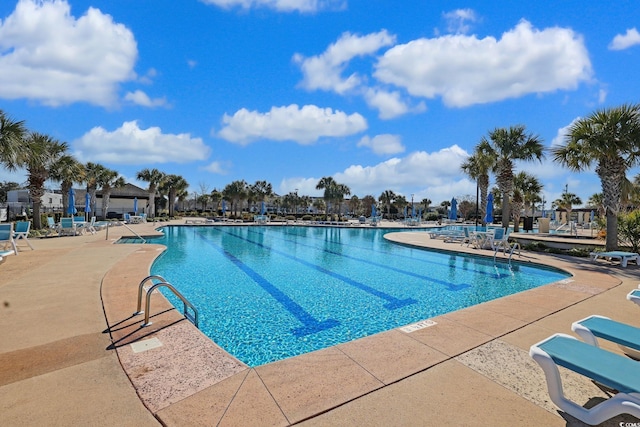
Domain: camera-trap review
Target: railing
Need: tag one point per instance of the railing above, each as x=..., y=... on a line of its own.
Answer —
x=163, y=283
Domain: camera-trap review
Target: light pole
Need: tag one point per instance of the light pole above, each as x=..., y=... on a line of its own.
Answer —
x=412, y=207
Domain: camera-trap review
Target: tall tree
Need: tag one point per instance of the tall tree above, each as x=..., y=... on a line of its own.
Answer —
x=327, y=184
x=109, y=180
x=477, y=167
x=526, y=191
x=610, y=140
x=154, y=178
x=12, y=134
x=235, y=192
x=93, y=173
x=216, y=198
x=173, y=185
x=67, y=170
x=596, y=201
x=506, y=146
x=566, y=202
x=39, y=155
x=387, y=198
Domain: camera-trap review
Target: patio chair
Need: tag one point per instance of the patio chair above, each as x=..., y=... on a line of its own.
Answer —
x=67, y=227
x=612, y=370
x=468, y=237
x=500, y=240
x=21, y=232
x=91, y=225
x=593, y=327
x=51, y=226
x=6, y=237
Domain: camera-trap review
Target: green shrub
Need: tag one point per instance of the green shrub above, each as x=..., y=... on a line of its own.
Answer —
x=629, y=230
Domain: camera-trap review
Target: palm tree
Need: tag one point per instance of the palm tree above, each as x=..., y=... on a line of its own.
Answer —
x=387, y=197
x=596, y=201
x=216, y=198
x=327, y=184
x=173, y=185
x=339, y=191
x=235, y=192
x=566, y=202
x=67, y=170
x=154, y=178
x=526, y=190
x=354, y=205
x=109, y=180
x=367, y=202
x=477, y=166
x=38, y=156
x=610, y=139
x=400, y=202
x=507, y=146
x=93, y=173
x=12, y=134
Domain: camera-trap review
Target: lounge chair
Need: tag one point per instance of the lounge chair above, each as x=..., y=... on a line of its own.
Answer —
x=21, y=232
x=624, y=257
x=634, y=296
x=593, y=327
x=91, y=225
x=67, y=227
x=6, y=237
x=52, y=226
x=612, y=370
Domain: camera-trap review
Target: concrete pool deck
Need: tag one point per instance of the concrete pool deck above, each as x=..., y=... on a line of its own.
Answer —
x=71, y=353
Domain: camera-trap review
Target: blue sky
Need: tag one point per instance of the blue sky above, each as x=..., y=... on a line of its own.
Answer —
x=378, y=94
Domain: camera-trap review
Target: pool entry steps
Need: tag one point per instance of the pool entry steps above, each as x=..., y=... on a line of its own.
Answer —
x=193, y=318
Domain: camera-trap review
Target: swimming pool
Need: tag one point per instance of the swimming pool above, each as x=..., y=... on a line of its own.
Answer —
x=268, y=293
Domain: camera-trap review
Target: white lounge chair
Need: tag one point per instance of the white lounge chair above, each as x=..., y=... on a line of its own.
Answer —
x=593, y=327
x=6, y=237
x=623, y=257
x=612, y=370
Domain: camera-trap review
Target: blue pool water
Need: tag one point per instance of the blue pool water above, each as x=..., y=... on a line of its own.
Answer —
x=268, y=293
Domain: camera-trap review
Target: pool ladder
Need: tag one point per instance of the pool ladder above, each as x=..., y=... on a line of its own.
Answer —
x=163, y=283
x=512, y=249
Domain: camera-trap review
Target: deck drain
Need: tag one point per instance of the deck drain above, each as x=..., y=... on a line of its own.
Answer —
x=140, y=346
x=417, y=326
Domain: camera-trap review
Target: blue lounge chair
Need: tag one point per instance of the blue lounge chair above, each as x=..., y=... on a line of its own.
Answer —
x=610, y=369
x=6, y=237
x=593, y=327
x=21, y=232
x=634, y=296
x=623, y=257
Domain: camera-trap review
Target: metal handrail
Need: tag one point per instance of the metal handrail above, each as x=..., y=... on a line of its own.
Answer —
x=185, y=304
x=137, y=235
x=141, y=286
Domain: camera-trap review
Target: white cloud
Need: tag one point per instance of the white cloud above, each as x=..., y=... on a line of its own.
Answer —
x=389, y=104
x=621, y=42
x=324, y=71
x=459, y=19
x=465, y=70
x=383, y=144
x=50, y=56
x=130, y=145
x=218, y=167
x=140, y=98
x=434, y=175
x=303, y=6
x=291, y=123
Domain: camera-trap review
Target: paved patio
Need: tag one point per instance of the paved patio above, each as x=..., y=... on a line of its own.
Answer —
x=71, y=353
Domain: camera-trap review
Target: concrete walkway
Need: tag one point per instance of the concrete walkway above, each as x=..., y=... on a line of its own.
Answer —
x=72, y=354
